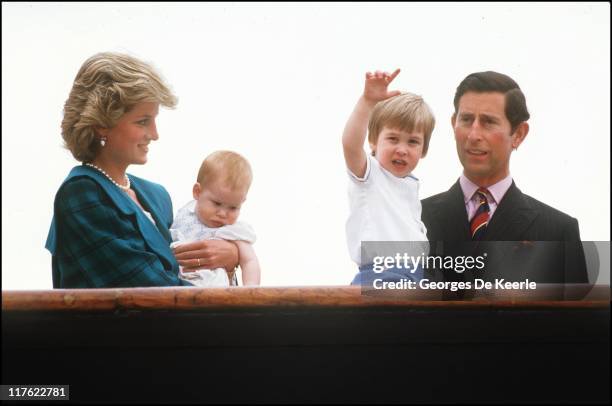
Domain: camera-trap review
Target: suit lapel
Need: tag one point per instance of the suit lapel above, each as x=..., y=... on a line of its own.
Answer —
x=511, y=218
x=149, y=204
x=452, y=211
x=156, y=235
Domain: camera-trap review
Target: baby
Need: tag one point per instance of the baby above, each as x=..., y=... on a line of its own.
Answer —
x=221, y=188
x=383, y=193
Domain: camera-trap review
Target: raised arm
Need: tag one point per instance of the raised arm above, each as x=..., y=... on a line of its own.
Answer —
x=251, y=274
x=356, y=127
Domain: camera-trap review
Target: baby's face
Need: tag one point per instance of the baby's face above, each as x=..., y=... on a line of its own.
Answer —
x=217, y=204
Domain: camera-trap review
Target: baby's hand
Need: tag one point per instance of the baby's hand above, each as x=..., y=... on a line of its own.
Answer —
x=376, y=86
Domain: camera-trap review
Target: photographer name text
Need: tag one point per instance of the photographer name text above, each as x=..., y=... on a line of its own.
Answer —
x=478, y=284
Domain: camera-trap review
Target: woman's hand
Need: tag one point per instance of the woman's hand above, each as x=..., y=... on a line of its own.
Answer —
x=207, y=254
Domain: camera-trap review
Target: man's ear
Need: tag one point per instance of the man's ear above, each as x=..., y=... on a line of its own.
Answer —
x=519, y=134
x=453, y=119
x=197, y=189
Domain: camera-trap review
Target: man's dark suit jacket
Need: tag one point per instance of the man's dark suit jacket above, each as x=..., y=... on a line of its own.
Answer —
x=525, y=239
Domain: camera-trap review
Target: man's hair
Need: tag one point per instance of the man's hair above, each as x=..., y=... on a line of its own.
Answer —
x=228, y=167
x=406, y=112
x=483, y=82
x=107, y=86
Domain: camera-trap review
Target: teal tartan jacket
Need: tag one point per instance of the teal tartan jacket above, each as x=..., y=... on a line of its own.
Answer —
x=100, y=238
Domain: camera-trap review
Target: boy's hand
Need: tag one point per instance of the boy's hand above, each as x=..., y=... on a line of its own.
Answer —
x=376, y=86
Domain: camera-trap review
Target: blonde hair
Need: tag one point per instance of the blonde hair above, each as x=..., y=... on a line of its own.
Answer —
x=406, y=112
x=227, y=166
x=107, y=86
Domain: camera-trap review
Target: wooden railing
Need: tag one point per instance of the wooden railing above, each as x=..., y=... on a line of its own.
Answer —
x=308, y=297
x=309, y=345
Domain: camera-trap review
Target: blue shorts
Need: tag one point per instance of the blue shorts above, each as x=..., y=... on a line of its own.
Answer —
x=366, y=275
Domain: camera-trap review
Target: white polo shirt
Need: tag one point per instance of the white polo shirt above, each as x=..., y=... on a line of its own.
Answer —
x=384, y=207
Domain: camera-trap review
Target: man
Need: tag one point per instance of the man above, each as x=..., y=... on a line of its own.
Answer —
x=532, y=240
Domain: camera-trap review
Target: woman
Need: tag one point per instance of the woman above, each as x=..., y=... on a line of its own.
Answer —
x=110, y=229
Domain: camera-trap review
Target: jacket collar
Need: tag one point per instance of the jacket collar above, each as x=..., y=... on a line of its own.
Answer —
x=119, y=197
x=156, y=236
x=512, y=217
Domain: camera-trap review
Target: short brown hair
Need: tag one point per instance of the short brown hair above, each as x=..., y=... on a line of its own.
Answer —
x=227, y=166
x=490, y=81
x=107, y=86
x=406, y=112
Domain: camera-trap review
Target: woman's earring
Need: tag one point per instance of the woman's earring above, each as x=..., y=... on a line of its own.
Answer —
x=102, y=141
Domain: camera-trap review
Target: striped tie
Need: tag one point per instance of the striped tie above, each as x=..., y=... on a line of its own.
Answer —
x=478, y=225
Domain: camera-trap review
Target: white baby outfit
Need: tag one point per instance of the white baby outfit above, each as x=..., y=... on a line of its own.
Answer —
x=188, y=228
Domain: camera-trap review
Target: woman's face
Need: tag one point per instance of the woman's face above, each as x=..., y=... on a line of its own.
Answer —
x=128, y=142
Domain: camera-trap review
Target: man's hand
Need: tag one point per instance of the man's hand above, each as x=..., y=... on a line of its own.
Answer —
x=376, y=86
x=207, y=254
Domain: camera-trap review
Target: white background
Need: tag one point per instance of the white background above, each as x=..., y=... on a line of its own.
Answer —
x=276, y=83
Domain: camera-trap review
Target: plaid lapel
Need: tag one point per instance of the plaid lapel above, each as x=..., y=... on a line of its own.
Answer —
x=156, y=237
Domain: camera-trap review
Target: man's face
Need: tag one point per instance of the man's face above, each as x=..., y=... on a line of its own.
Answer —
x=483, y=136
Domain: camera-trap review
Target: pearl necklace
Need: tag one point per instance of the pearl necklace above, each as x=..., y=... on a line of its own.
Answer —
x=127, y=179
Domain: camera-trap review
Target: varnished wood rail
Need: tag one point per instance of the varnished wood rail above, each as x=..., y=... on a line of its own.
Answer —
x=261, y=297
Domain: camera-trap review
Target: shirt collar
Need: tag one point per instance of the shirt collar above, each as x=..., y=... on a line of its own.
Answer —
x=497, y=190
x=191, y=207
